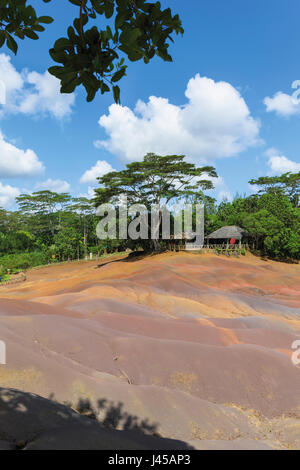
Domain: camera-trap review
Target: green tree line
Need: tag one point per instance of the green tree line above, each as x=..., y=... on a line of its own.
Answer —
x=51, y=227
x=271, y=216
x=47, y=226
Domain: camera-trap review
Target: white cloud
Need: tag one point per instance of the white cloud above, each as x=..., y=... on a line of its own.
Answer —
x=283, y=165
x=15, y=162
x=46, y=97
x=90, y=193
x=284, y=104
x=280, y=164
x=11, y=80
x=32, y=92
x=99, y=169
x=225, y=196
x=220, y=188
x=215, y=122
x=253, y=188
x=8, y=195
x=57, y=186
x=2, y=93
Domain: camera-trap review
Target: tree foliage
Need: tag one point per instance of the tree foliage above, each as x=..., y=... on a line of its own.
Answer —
x=271, y=217
x=90, y=56
x=288, y=184
x=55, y=227
x=19, y=20
x=45, y=222
x=155, y=179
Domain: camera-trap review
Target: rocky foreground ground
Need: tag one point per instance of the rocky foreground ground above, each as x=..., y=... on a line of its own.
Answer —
x=169, y=351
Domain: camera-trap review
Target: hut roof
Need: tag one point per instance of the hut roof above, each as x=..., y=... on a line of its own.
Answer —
x=230, y=231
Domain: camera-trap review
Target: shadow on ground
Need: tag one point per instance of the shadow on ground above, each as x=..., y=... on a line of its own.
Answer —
x=30, y=422
x=112, y=415
x=133, y=257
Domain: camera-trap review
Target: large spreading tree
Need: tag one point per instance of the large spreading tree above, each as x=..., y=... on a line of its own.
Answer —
x=94, y=56
x=156, y=180
x=287, y=183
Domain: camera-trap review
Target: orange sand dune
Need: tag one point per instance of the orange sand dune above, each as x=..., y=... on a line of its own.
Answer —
x=198, y=344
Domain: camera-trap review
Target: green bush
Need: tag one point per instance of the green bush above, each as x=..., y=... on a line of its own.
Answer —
x=20, y=261
x=5, y=278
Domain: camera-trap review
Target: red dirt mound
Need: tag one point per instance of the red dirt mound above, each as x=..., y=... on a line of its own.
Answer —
x=198, y=344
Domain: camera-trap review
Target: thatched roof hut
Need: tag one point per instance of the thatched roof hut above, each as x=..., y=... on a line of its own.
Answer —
x=228, y=232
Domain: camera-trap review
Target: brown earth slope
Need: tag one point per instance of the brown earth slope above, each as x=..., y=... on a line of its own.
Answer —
x=196, y=346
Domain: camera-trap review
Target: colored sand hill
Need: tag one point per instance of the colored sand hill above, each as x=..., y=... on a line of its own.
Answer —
x=192, y=348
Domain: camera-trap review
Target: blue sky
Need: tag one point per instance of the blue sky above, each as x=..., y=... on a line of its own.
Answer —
x=226, y=100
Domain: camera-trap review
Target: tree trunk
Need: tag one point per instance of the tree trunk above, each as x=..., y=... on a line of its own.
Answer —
x=84, y=237
x=156, y=245
x=155, y=242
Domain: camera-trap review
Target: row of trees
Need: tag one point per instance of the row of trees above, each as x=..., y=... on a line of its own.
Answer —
x=58, y=225
x=52, y=226
x=62, y=227
x=271, y=216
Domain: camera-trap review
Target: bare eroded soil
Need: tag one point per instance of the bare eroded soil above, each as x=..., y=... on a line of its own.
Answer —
x=199, y=346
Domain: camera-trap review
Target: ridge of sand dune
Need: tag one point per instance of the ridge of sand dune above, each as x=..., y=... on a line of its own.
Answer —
x=200, y=345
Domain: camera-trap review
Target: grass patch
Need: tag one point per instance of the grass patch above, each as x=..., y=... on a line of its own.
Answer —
x=22, y=261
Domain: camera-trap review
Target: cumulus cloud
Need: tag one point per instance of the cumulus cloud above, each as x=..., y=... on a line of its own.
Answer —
x=283, y=104
x=32, y=93
x=15, y=162
x=99, y=169
x=279, y=164
x=11, y=80
x=2, y=93
x=45, y=97
x=8, y=195
x=215, y=122
x=253, y=188
x=225, y=196
x=220, y=190
x=89, y=194
x=57, y=186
